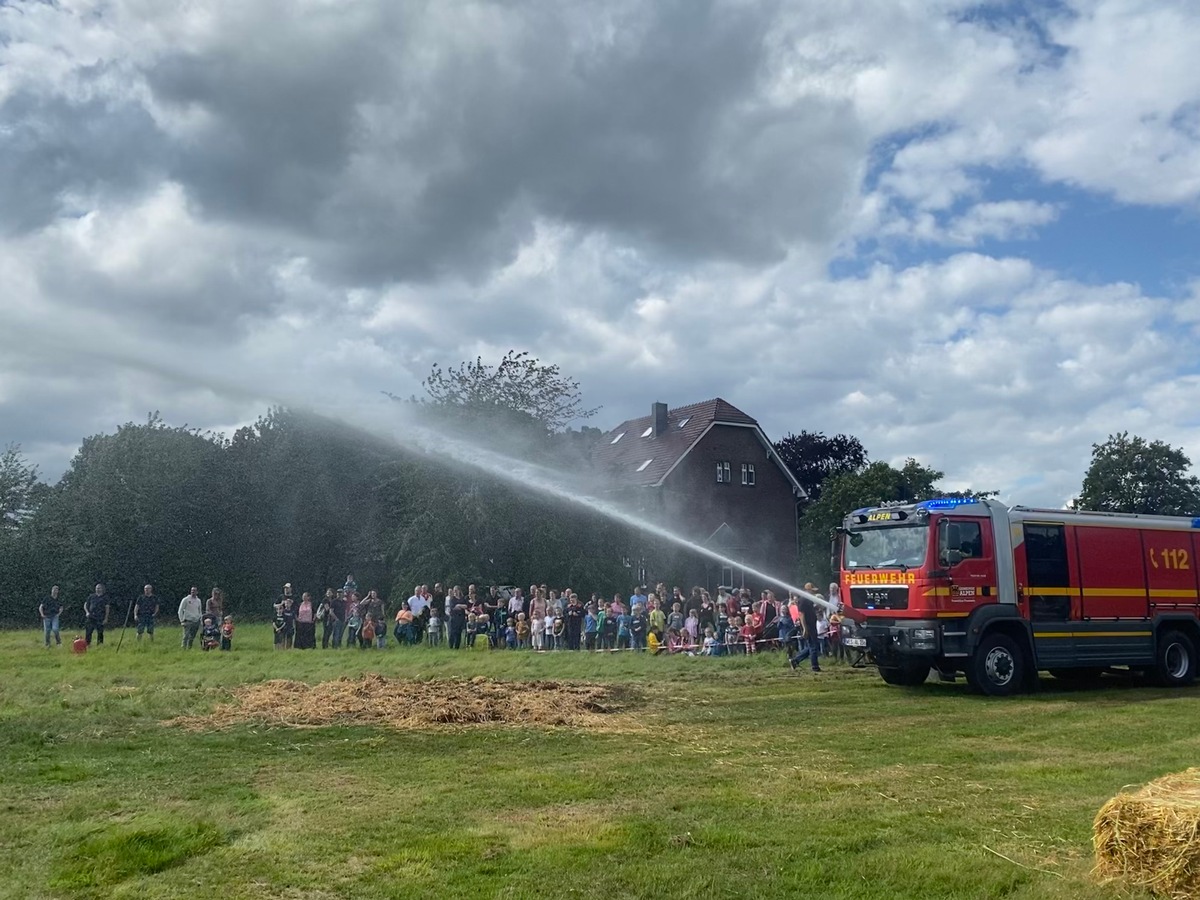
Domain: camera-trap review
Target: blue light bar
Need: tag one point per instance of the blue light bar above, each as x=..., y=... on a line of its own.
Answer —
x=1196, y=522
x=946, y=503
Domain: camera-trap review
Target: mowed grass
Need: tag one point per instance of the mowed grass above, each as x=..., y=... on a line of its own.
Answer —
x=745, y=780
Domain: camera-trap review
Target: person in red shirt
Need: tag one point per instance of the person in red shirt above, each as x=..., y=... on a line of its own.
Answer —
x=749, y=637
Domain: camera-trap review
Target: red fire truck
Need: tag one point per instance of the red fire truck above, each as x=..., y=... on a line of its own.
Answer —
x=998, y=593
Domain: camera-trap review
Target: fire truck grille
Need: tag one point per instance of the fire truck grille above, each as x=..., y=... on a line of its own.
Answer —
x=879, y=597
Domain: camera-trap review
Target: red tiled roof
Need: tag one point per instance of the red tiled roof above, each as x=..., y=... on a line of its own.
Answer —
x=623, y=460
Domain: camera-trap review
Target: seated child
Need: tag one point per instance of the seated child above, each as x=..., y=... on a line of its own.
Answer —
x=653, y=644
x=210, y=632
x=366, y=636
x=227, y=633
x=674, y=640
x=710, y=642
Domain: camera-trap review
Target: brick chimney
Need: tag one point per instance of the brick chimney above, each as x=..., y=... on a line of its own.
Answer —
x=658, y=412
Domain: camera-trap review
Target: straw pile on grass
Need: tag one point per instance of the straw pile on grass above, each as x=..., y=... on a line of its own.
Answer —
x=398, y=703
x=1151, y=836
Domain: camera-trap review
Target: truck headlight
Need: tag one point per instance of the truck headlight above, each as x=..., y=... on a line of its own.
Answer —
x=924, y=634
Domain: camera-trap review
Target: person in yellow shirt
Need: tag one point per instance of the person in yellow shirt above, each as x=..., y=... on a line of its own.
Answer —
x=652, y=642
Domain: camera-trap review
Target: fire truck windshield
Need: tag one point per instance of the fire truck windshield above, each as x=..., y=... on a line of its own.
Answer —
x=881, y=548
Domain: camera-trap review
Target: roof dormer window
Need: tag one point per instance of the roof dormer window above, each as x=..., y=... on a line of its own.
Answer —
x=642, y=467
x=649, y=431
x=618, y=437
x=684, y=421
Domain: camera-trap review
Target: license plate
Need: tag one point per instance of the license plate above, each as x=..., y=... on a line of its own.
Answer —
x=856, y=642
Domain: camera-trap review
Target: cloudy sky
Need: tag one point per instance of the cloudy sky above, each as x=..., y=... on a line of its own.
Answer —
x=965, y=232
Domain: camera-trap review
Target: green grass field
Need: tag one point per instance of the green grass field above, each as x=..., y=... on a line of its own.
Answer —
x=747, y=780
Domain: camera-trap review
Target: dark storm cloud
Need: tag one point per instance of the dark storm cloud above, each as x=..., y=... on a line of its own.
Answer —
x=419, y=143
x=53, y=147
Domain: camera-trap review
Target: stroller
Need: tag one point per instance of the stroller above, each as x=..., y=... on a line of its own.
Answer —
x=210, y=632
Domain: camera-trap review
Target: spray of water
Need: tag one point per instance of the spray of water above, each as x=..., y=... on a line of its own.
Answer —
x=448, y=449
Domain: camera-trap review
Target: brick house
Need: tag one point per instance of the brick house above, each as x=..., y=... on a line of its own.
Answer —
x=707, y=472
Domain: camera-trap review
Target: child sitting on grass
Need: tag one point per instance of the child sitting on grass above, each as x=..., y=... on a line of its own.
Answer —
x=366, y=636
x=711, y=647
x=653, y=644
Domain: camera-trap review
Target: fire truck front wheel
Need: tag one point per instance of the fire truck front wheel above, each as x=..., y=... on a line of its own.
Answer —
x=998, y=666
x=1176, y=659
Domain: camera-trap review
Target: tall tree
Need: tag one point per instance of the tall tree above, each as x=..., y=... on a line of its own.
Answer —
x=813, y=458
x=518, y=384
x=1129, y=474
x=18, y=488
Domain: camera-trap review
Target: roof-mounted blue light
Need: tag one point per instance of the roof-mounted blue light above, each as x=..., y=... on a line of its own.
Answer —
x=946, y=502
x=1196, y=522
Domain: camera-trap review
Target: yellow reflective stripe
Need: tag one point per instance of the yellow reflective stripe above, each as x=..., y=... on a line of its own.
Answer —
x=1170, y=592
x=1051, y=591
x=937, y=592
x=1114, y=592
x=1087, y=634
x=952, y=615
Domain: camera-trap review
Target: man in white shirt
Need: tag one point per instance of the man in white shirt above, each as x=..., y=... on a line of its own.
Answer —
x=516, y=603
x=417, y=602
x=189, y=617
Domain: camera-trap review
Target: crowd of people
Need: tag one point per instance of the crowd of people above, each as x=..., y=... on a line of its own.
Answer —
x=540, y=620
x=546, y=620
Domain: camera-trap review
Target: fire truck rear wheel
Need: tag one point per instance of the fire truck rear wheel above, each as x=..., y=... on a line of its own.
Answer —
x=1176, y=659
x=998, y=668
x=905, y=676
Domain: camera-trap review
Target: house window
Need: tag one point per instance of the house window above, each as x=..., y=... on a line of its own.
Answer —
x=726, y=577
x=748, y=474
x=684, y=421
x=724, y=475
x=618, y=437
x=642, y=467
x=649, y=431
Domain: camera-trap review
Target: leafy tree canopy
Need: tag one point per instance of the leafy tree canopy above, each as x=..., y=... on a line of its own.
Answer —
x=1129, y=474
x=519, y=384
x=18, y=488
x=814, y=458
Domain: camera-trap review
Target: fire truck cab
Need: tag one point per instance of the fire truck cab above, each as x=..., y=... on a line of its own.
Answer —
x=998, y=593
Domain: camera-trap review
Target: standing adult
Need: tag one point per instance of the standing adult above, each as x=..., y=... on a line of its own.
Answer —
x=189, y=616
x=516, y=603
x=374, y=606
x=812, y=645
x=574, y=616
x=327, y=616
x=215, y=605
x=145, y=612
x=50, y=610
x=288, y=613
x=458, y=617
x=95, y=615
x=306, y=623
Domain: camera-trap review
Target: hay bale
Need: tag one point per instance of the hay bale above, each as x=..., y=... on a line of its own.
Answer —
x=1151, y=837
